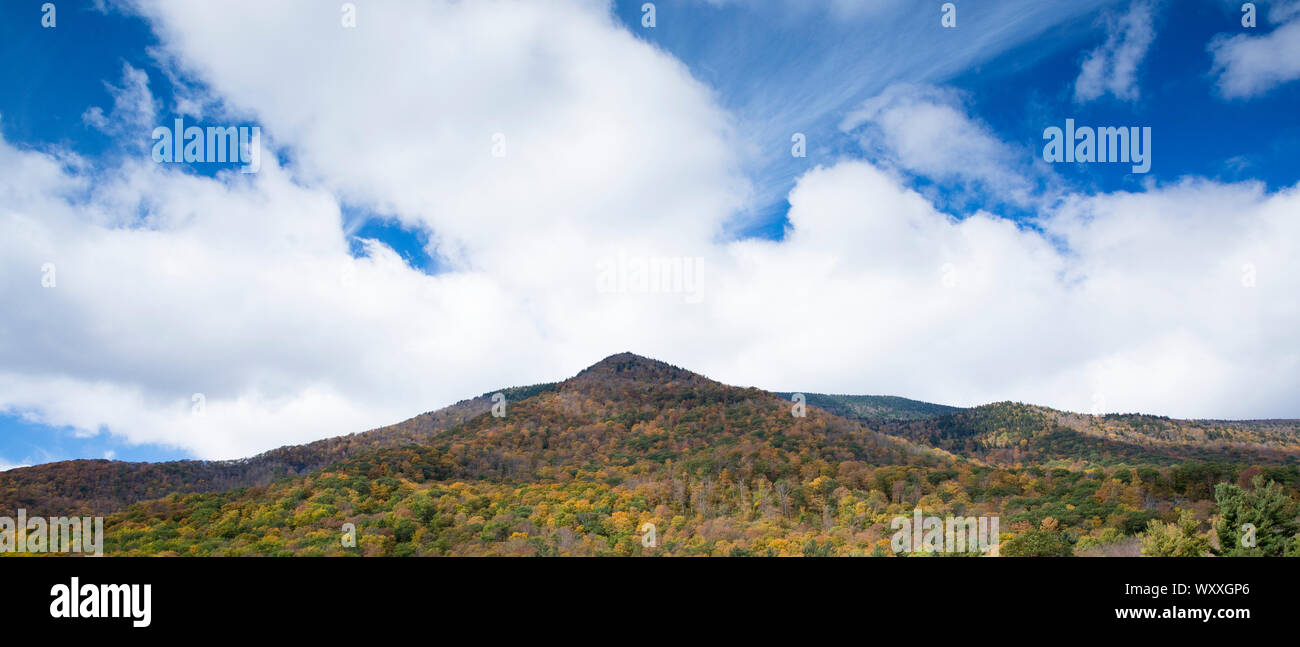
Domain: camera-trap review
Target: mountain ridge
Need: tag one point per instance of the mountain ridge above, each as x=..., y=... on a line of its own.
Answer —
x=577, y=467
x=98, y=485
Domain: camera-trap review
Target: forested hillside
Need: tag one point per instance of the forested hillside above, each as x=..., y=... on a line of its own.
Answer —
x=875, y=408
x=1015, y=434
x=579, y=468
x=103, y=486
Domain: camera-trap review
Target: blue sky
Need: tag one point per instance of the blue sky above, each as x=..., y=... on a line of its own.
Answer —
x=765, y=61
x=1006, y=71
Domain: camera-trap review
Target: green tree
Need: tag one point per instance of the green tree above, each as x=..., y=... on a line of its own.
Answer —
x=1045, y=541
x=1267, y=508
x=812, y=548
x=1175, y=539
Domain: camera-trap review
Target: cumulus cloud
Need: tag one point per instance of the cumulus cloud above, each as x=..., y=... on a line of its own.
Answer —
x=226, y=314
x=1112, y=68
x=241, y=289
x=1150, y=301
x=1248, y=65
x=927, y=131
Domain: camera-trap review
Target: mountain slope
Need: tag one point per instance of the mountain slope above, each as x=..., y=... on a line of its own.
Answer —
x=1011, y=433
x=562, y=471
x=581, y=466
x=874, y=408
x=101, y=486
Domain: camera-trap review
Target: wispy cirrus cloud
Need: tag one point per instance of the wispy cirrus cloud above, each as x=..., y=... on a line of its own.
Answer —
x=822, y=59
x=133, y=106
x=1112, y=68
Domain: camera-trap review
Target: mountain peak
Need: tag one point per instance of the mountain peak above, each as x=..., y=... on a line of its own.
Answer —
x=630, y=366
x=624, y=358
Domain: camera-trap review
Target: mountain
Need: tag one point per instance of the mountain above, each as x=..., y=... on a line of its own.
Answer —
x=101, y=486
x=580, y=467
x=1012, y=433
x=564, y=471
x=872, y=408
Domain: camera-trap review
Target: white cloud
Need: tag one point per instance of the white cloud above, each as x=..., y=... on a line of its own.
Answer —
x=926, y=131
x=843, y=9
x=241, y=288
x=133, y=107
x=1283, y=11
x=1136, y=297
x=1248, y=65
x=1112, y=67
x=5, y=465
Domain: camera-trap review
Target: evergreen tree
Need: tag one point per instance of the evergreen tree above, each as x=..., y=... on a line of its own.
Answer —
x=1260, y=521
